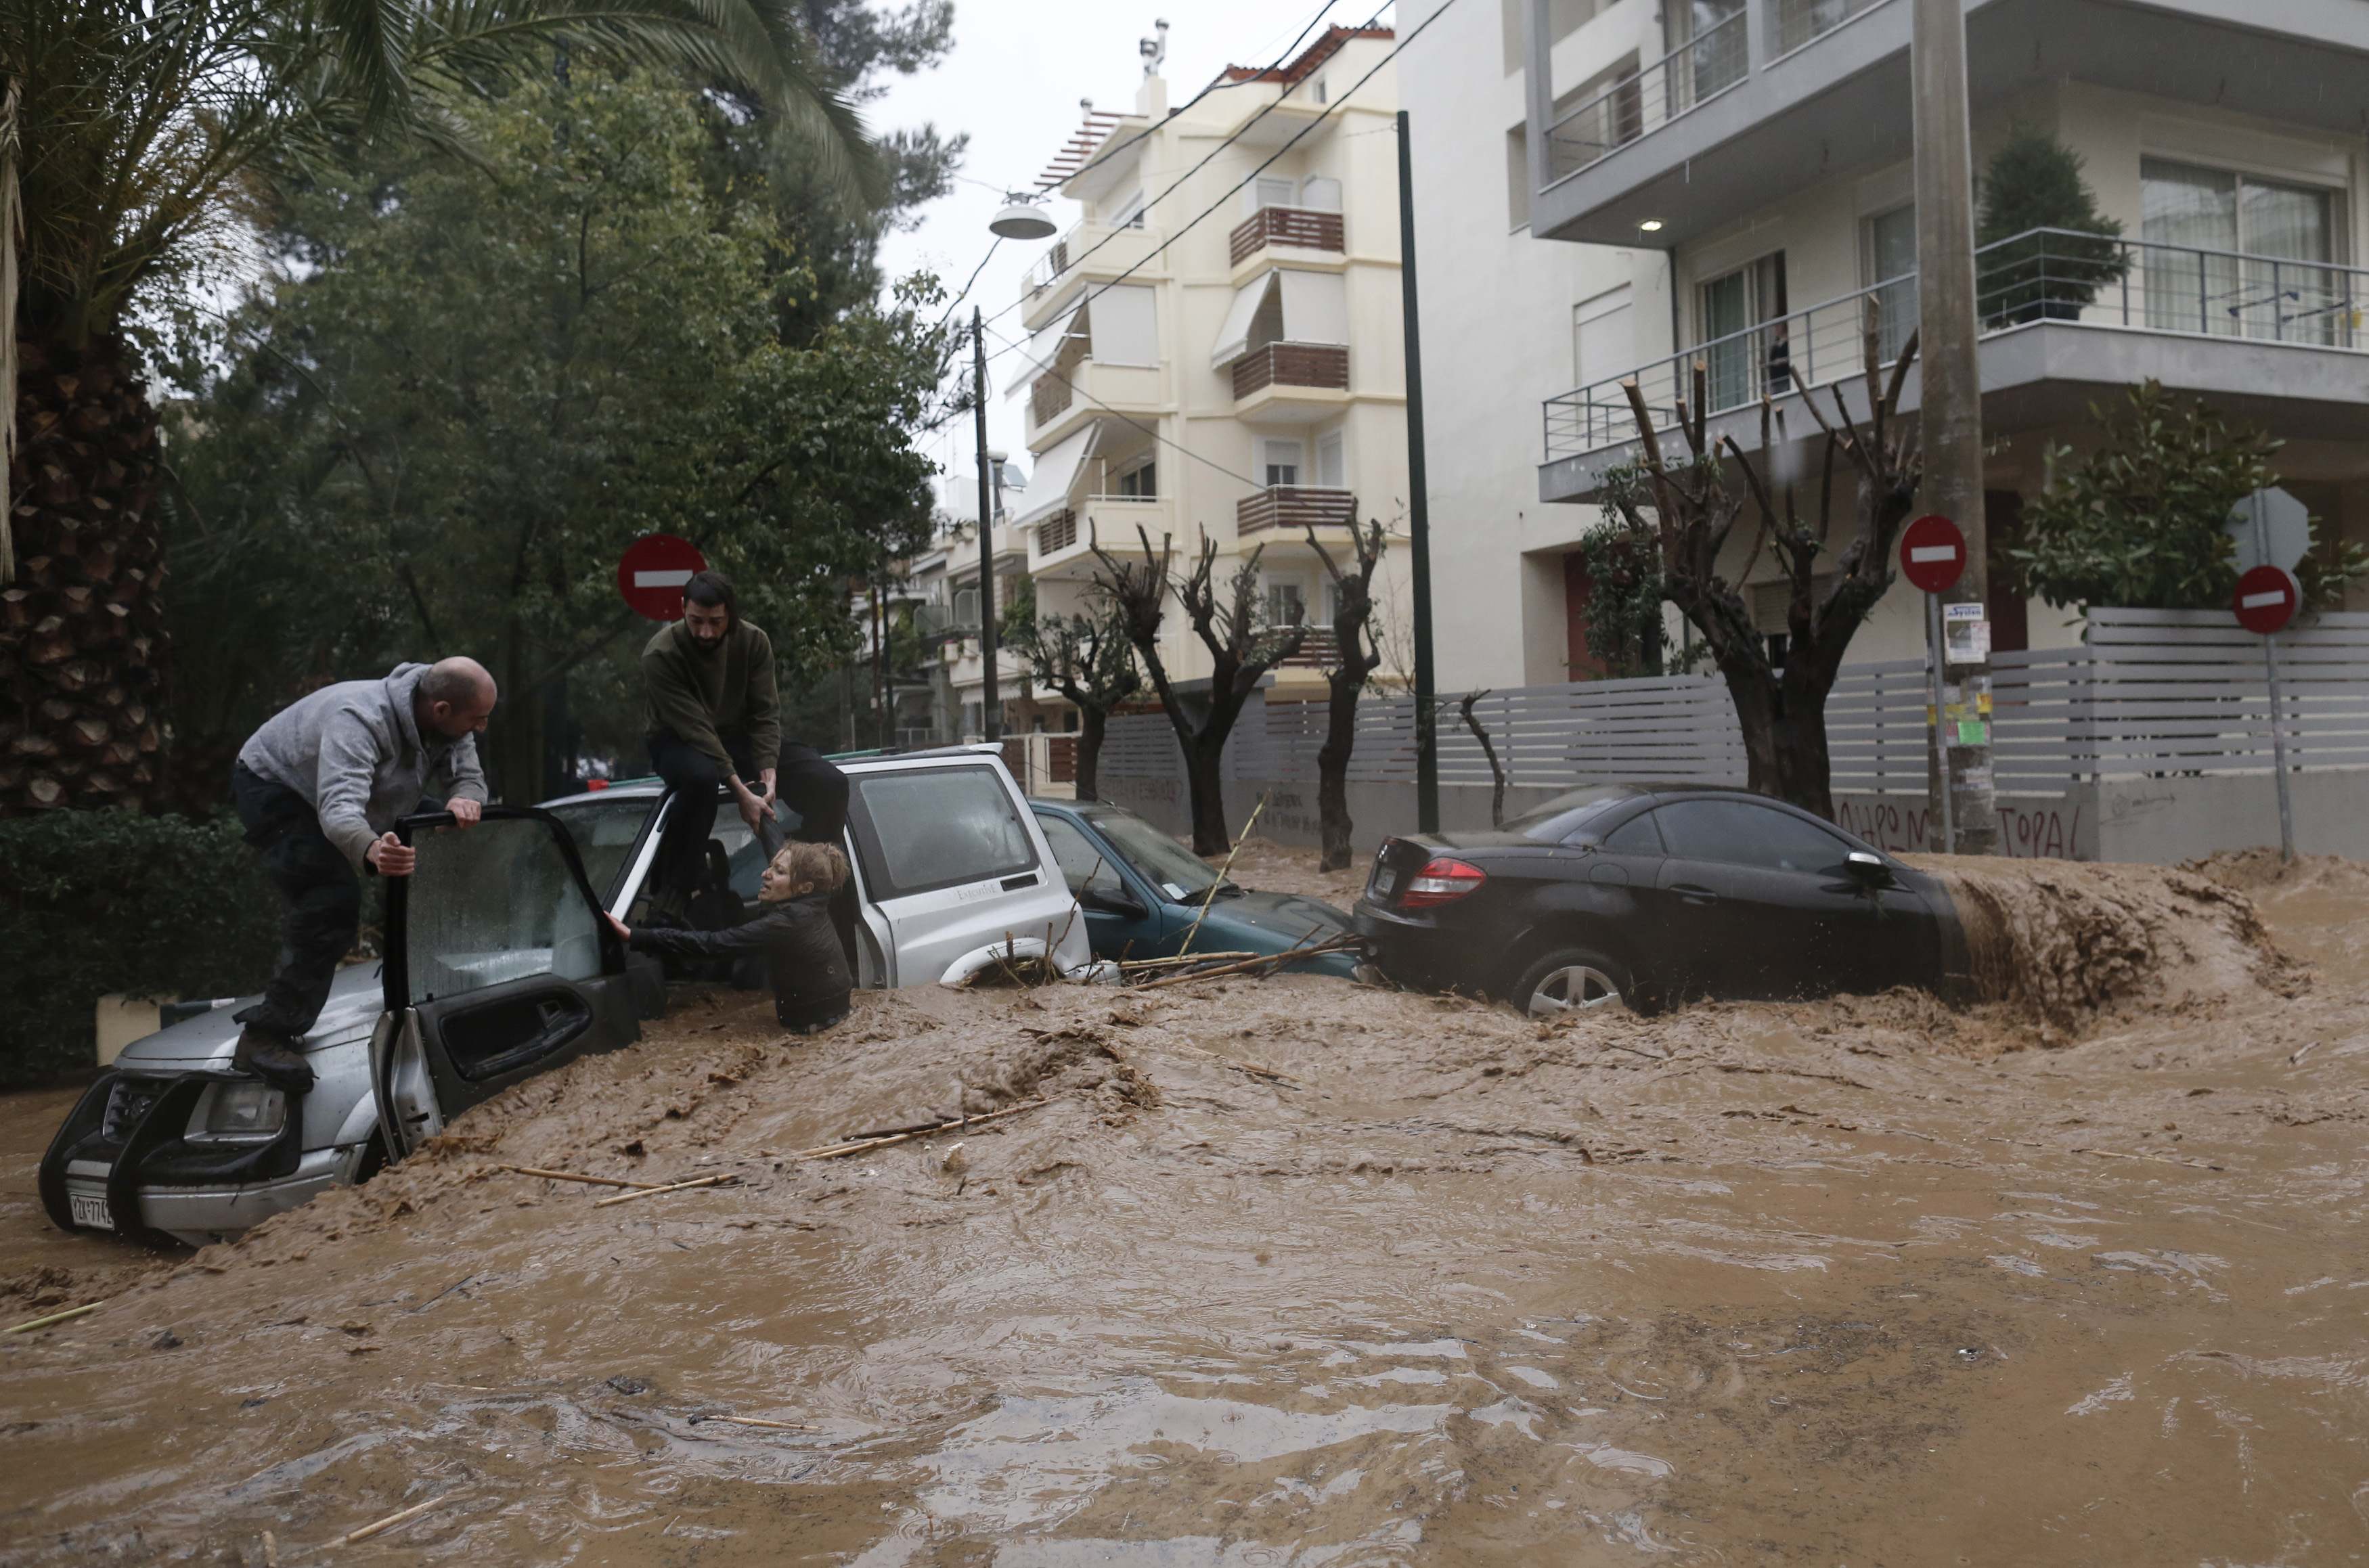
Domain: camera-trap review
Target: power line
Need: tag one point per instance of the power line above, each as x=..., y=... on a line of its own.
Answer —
x=1231, y=137
x=1160, y=249
x=1107, y=153
x=1140, y=425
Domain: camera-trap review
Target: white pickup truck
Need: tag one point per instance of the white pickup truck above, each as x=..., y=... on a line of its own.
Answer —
x=500, y=965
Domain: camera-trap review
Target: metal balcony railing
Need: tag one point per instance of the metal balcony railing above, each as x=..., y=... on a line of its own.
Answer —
x=2042, y=275
x=1292, y=508
x=1292, y=365
x=1689, y=76
x=1047, y=270
x=1798, y=22
x=1300, y=226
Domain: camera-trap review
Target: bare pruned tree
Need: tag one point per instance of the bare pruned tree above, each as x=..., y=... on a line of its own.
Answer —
x=1782, y=711
x=1488, y=749
x=1087, y=659
x=1356, y=655
x=1243, y=648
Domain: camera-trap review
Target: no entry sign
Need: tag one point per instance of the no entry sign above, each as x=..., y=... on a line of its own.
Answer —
x=2267, y=599
x=651, y=573
x=1932, y=554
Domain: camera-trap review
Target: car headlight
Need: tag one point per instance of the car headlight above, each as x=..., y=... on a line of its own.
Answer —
x=240, y=1111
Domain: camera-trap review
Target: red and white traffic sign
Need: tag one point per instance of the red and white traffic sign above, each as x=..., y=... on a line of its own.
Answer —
x=2267, y=599
x=1932, y=554
x=651, y=573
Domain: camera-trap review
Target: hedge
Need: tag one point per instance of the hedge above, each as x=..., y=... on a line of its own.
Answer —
x=98, y=901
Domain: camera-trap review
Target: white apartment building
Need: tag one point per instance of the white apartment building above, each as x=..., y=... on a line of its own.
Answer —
x=1734, y=177
x=1242, y=378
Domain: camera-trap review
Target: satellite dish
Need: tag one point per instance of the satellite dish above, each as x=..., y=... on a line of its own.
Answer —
x=1021, y=219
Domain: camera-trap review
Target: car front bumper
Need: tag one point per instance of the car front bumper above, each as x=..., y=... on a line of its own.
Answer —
x=123, y=1161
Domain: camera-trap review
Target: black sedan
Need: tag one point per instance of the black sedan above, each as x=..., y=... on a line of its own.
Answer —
x=1654, y=894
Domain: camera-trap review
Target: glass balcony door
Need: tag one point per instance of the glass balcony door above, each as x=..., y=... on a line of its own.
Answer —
x=2251, y=271
x=1745, y=345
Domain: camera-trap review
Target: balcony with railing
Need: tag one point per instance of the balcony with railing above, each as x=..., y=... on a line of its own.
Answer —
x=1769, y=98
x=1300, y=228
x=2044, y=277
x=1693, y=73
x=1316, y=366
x=1088, y=253
x=1293, y=508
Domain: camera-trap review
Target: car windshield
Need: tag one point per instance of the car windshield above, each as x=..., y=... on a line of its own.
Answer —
x=1565, y=815
x=1181, y=875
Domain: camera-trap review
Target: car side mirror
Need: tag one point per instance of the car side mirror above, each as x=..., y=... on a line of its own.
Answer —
x=1110, y=901
x=1868, y=870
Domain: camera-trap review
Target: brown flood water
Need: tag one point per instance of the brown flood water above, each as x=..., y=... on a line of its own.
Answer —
x=1858, y=1282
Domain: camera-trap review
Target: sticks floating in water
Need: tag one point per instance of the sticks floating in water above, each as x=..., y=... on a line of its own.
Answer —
x=55, y=1317
x=351, y=1537
x=572, y=1176
x=857, y=1146
x=1344, y=943
x=669, y=1187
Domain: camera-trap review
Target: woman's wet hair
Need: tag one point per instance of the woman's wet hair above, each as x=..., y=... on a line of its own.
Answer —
x=809, y=868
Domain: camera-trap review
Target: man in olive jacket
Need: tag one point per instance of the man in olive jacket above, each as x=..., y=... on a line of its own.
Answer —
x=715, y=719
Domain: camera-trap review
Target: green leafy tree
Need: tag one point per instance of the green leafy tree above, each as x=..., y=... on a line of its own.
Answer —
x=2034, y=181
x=1625, y=629
x=439, y=433
x=2143, y=522
x=137, y=139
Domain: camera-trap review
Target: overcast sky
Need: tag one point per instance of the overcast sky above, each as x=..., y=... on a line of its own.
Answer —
x=1013, y=81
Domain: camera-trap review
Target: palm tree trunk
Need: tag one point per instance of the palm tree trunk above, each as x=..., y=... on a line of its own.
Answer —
x=83, y=649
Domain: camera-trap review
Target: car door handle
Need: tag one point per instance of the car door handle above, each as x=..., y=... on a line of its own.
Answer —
x=1694, y=893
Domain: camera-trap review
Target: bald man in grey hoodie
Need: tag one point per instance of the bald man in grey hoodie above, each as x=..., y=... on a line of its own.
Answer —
x=318, y=789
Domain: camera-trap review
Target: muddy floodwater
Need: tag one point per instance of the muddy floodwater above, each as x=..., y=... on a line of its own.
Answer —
x=1292, y=1271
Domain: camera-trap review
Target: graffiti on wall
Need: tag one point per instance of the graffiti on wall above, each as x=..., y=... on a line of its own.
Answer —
x=2030, y=829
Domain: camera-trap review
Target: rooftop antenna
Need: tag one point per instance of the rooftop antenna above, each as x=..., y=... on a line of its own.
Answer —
x=1154, y=50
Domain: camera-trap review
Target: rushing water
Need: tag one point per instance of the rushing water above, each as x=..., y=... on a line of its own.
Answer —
x=1854, y=1282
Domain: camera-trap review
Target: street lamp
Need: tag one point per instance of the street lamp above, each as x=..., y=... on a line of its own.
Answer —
x=1022, y=216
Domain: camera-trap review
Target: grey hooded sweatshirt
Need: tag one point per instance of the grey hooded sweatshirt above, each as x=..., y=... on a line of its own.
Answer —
x=354, y=752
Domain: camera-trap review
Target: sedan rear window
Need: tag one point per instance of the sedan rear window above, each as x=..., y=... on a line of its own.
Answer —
x=1559, y=818
x=937, y=828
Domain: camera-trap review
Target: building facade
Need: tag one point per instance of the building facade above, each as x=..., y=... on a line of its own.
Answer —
x=1732, y=180
x=1239, y=378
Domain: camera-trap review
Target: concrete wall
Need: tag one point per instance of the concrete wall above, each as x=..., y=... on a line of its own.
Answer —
x=1498, y=332
x=2158, y=821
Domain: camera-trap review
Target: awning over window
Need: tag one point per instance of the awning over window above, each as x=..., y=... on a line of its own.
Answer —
x=1315, y=307
x=1234, y=338
x=1056, y=470
x=1043, y=347
x=1124, y=326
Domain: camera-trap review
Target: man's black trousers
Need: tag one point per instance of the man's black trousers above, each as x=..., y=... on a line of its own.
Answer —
x=321, y=900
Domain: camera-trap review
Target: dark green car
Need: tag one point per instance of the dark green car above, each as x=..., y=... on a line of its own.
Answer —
x=1139, y=890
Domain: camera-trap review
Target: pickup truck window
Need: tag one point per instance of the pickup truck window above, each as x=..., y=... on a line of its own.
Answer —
x=933, y=828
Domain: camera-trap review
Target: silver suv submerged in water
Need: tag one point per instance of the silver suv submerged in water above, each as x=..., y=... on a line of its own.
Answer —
x=500, y=965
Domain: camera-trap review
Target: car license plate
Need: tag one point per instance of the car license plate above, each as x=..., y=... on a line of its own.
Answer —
x=1383, y=882
x=91, y=1211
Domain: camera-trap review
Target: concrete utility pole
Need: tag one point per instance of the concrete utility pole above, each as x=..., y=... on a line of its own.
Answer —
x=1952, y=412
x=989, y=707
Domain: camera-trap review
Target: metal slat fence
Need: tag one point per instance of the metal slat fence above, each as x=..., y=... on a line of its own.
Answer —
x=2151, y=693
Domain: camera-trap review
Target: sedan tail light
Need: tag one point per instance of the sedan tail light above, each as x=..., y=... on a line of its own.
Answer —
x=1441, y=881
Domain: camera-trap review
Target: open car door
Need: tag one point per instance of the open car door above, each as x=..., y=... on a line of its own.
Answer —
x=498, y=966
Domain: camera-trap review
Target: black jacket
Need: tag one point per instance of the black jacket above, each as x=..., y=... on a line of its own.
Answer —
x=803, y=956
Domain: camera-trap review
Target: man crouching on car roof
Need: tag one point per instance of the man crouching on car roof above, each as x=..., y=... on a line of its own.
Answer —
x=318, y=789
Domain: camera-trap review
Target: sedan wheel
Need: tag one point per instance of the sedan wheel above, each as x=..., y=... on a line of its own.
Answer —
x=1567, y=982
